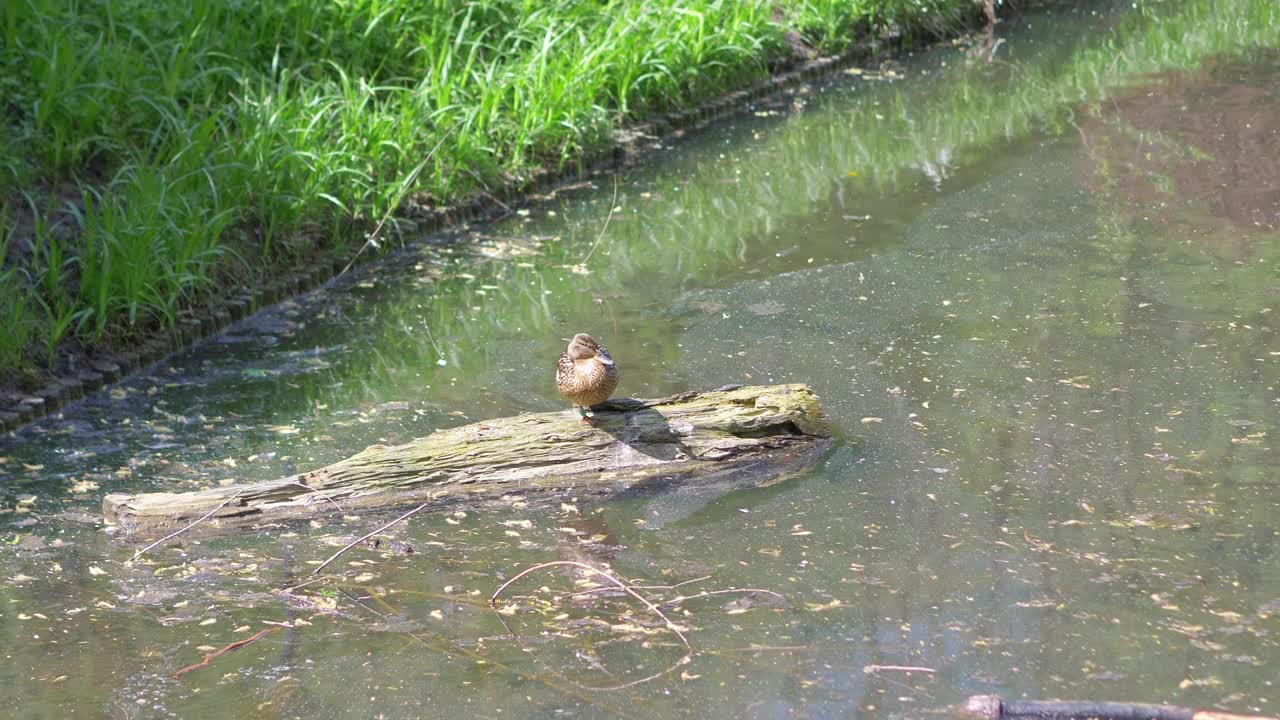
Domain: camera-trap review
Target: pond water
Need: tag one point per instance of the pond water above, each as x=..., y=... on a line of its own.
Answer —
x=1035, y=297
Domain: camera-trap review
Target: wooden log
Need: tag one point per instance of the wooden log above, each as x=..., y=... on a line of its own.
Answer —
x=994, y=707
x=747, y=434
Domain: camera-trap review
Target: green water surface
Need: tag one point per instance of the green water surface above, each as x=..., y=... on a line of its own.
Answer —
x=1034, y=295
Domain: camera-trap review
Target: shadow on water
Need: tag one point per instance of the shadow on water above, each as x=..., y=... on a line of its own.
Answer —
x=1040, y=294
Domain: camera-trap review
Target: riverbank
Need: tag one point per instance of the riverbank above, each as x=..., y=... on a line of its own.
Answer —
x=1015, y=284
x=174, y=173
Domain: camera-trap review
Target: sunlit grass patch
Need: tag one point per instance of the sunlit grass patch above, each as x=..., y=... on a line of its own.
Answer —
x=198, y=146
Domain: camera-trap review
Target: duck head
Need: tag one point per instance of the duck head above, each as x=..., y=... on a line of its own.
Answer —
x=583, y=347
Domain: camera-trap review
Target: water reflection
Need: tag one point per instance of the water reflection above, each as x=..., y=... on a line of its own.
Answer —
x=1196, y=147
x=1038, y=292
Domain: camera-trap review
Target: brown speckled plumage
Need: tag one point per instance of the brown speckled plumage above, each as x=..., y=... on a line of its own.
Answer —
x=586, y=374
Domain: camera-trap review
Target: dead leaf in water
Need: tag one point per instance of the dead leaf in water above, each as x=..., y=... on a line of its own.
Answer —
x=633, y=629
x=1159, y=521
x=1252, y=439
x=766, y=308
x=1210, y=681
x=709, y=308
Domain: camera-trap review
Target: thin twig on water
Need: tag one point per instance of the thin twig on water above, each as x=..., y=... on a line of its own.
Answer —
x=753, y=648
x=682, y=598
x=682, y=583
x=685, y=660
x=194, y=523
x=618, y=584
x=642, y=587
x=493, y=601
x=613, y=204
x=366, y=536
x=898, y=668
x=312, y=581
x=221, y=505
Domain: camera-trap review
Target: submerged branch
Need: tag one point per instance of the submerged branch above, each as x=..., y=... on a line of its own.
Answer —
x=993, y=707
x=209, y=657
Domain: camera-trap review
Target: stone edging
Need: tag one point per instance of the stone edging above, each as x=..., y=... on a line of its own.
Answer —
x=18, y=410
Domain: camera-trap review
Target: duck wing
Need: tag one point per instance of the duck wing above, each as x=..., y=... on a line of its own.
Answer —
x=603, y=353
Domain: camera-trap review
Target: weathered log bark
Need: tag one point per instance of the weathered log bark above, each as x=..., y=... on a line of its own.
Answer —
x=751, y=434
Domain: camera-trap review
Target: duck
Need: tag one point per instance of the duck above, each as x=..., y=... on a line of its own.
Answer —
x=586, y=374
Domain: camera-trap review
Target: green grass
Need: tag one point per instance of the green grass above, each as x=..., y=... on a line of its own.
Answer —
x=18, y=329
x=196, y=146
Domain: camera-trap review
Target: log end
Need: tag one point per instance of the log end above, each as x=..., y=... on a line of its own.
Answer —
x=119, y=509
x=981, y=707
x=800, y=403
x=115, y=508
